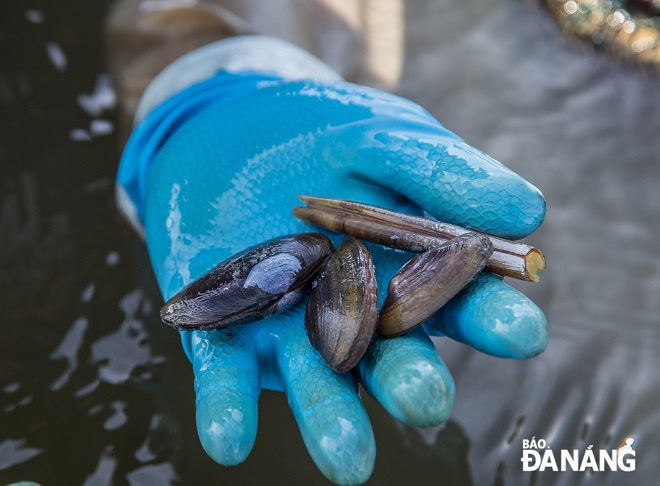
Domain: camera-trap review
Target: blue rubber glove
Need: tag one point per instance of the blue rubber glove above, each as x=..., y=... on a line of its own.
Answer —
x=217, y=168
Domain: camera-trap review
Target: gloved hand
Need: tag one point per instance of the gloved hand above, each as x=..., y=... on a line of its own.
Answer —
x=218, y=167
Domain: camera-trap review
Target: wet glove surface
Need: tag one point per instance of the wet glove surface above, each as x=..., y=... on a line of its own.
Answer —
x=223, y=173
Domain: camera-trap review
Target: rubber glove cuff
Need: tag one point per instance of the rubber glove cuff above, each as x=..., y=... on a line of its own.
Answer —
x=195, y=82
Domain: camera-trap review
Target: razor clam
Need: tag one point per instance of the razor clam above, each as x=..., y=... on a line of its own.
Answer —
x=342, y=310
x=429, y=280
x=258, y=282
x=412, y=233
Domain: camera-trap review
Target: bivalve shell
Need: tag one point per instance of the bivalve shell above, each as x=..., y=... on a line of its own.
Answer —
x=342, y=310
x=251, y=285
x=429, y=280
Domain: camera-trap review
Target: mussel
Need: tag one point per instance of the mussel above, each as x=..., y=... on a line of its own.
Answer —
x=251, y=285
x=342, y=310
x=429, y=280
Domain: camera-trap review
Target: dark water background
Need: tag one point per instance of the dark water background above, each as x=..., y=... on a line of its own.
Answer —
x=95, y=390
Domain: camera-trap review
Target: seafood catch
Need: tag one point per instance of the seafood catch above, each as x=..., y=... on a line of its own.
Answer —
x=429, y=280
x=342, y=311
x=251, y=285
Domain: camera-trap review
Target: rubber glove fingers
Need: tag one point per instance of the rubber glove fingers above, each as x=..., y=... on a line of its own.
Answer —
x=397, y=143
x=227, y=386
x=406, y=375
x=494, y=318
x=332, y=420
x=454, y=182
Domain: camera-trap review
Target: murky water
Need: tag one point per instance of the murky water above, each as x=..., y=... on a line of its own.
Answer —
x=94, y=389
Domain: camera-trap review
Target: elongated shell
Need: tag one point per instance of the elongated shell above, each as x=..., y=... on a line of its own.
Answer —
x=413, y=233
x=342, y=310
x=251, y=285
x=429, y=280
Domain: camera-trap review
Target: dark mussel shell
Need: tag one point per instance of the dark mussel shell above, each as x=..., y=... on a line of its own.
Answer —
x=342, y=310
x=251, y=285
x=429, y=280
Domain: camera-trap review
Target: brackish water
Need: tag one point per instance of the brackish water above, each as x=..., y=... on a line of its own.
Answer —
x=95, y=390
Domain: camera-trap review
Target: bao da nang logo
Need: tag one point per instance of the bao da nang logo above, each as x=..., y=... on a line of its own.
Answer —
x=537, y=455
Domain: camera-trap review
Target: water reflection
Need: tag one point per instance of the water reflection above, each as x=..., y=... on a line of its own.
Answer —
x=68, y=349
x=122, y=351
x=14, y=451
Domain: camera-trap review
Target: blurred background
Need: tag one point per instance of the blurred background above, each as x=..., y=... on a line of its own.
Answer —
x=94, y=389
